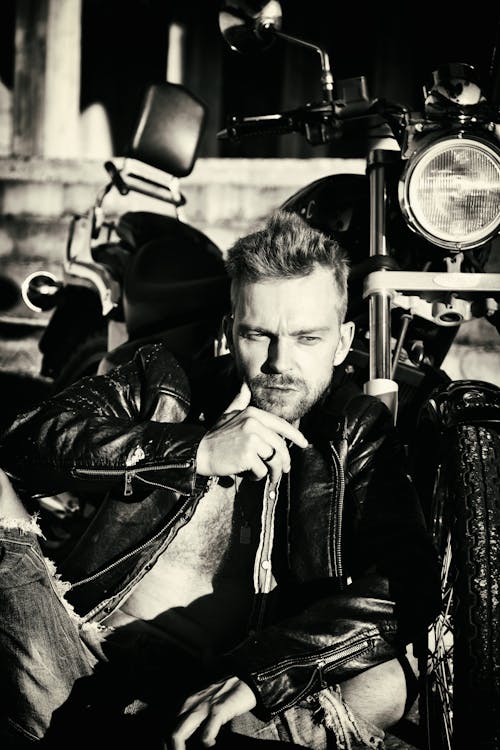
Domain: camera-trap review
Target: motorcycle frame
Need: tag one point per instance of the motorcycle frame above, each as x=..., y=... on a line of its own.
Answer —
x=78, y=270
x=88, y=272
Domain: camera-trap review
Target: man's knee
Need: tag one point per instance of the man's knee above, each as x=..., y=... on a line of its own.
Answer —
x=379, y=694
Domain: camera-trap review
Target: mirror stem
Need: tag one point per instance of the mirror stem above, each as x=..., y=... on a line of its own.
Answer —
x=326, y=77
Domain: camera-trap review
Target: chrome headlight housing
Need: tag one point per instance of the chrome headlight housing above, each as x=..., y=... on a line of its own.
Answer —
x=450, y=191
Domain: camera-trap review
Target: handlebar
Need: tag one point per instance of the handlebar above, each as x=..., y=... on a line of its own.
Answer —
x=319, y=123
x=238, y=126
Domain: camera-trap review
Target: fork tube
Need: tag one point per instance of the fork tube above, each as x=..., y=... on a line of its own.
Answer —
x=380, y=335
x=378, y=244
x=380, y=302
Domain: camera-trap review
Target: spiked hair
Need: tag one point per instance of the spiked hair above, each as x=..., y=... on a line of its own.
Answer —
x=287, y=247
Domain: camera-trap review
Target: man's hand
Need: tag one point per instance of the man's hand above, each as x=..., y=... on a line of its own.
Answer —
x=247, y=439
x=212, y=707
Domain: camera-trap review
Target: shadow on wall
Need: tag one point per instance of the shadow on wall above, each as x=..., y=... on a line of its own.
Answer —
x=10, y=293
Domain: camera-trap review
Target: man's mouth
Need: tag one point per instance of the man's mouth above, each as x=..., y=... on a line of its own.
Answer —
x=279, y=388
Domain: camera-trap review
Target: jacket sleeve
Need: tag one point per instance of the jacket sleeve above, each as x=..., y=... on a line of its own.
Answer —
x=124, y=429
x=391, y=595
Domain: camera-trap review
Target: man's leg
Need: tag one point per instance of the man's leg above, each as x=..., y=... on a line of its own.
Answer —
x=379, y=695
x=41, y=652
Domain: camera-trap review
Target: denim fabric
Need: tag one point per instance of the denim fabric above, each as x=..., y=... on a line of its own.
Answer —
x=41, y=652
x=322, y=721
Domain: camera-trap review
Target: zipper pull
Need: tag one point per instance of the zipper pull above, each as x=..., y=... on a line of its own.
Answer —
x=343, y=445
x=323, y=683
x=136, y=454
x=128, y=484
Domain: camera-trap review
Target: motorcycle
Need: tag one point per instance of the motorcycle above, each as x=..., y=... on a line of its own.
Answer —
x=140, y=276
x=419, y=228
x=136, y=278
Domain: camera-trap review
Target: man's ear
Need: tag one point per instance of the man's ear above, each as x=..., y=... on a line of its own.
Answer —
x=345, y=341
x=227, y=327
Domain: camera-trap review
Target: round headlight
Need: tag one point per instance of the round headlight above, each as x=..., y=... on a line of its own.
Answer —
x=450, y=192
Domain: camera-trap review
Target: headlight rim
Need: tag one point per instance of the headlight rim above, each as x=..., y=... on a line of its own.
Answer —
x=491, y=146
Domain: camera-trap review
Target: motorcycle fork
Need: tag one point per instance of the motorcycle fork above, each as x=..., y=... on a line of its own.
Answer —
x=380, y=383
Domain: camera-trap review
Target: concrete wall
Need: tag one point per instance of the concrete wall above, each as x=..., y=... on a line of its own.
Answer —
x=226, y=197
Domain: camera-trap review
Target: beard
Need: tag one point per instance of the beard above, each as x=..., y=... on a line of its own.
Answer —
x=285, y=396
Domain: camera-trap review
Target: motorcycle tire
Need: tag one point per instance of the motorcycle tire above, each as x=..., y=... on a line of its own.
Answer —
x=460, y=701
x=83, y=361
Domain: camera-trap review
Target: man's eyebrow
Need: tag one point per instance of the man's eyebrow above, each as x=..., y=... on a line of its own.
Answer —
x=244, y=328
x=309, y=331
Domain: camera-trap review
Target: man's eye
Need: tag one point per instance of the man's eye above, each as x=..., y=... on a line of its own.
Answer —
x=309, y=340
x=254, y=335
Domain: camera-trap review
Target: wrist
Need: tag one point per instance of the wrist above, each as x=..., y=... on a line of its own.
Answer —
x=204, y=484
x=202, y=462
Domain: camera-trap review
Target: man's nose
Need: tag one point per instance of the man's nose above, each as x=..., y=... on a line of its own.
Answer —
x=278, y=356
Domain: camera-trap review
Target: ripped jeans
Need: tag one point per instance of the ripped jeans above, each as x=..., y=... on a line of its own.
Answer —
x=61, y=685
x=321, y=721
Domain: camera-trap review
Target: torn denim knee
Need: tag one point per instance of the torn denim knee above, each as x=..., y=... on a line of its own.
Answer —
x=350, y=730
x=27, y=525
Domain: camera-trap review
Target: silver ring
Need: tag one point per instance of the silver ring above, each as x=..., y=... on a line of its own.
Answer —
x=270, y=457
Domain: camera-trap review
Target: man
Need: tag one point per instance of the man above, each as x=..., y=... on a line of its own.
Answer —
x=260, y=562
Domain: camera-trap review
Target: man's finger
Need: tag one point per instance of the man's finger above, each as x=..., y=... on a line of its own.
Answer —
x=241, y=401
x=188, y=726
x=275, y=470
x=212, y=729
x=272, y=446
x=279, y=425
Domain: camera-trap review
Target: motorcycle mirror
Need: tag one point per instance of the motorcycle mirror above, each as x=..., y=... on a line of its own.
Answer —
x=248, y=25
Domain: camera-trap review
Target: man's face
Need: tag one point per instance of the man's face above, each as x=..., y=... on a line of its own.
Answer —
x=286, y=338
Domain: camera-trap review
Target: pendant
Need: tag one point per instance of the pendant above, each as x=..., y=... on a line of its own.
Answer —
x=245, y=534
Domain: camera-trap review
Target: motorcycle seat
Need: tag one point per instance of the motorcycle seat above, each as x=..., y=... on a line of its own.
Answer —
x=175, y=278
x=135, y=228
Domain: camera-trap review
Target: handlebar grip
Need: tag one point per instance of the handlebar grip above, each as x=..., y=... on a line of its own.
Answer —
x=266, y=124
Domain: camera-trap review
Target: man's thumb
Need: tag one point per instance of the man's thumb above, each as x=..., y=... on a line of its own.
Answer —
x=241, y=401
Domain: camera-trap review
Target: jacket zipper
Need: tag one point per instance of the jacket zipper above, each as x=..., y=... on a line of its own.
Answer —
x=128, y=474
x=296, y=698
x=337, y=539
x=133, y=552
x=334, y=657
x=322, y=666
x=318, y=671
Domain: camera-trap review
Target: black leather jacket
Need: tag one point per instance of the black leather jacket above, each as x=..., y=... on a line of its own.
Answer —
x=362, y=568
